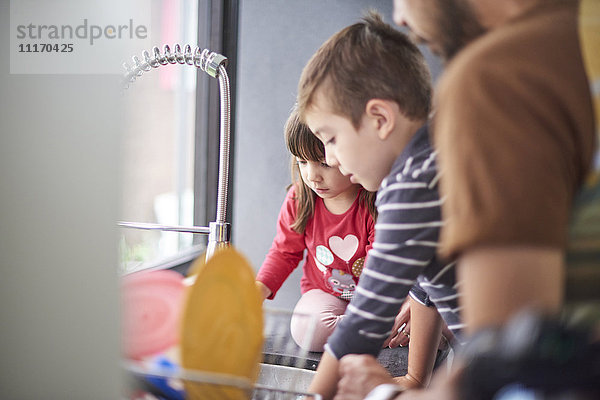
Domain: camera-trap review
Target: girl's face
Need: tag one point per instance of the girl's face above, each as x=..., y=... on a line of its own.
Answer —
x=325, y=181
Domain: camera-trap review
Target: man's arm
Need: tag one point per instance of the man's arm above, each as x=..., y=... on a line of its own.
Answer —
x=497, y=282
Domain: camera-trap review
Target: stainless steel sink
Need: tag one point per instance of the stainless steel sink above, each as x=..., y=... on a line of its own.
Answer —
x=275, y=382
x=282, y=377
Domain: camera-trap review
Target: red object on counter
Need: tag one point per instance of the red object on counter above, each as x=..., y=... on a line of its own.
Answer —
x=152, y=305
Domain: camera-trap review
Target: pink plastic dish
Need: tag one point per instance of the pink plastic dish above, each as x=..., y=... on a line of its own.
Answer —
x=152, y=305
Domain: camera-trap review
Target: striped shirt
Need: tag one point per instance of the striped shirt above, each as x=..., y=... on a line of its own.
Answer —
x=403, y=254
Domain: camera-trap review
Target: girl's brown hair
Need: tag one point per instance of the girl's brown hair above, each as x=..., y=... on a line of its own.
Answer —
x=301, y=142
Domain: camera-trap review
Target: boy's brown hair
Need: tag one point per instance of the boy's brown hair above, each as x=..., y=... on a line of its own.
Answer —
x=303, y=144
x=364, y=61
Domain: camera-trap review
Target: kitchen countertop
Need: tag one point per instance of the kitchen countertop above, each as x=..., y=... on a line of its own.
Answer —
x=395, y=360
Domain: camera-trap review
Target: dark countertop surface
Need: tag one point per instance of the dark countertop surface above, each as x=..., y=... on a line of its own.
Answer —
x=283, y=351
x=280, y=349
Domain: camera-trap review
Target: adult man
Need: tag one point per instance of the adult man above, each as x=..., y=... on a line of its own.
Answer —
x=444, y=26
x=514, y=128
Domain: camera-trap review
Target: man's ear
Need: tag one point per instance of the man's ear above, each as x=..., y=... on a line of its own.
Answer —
x=382, y=114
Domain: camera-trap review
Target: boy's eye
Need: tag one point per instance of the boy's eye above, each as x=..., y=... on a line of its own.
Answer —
x=324, y=164
x=330, y=141
x=301, y=162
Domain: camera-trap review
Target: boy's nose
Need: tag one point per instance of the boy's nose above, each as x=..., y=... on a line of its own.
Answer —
x=331, y=160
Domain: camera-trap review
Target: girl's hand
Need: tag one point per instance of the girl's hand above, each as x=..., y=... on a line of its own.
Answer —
x=401, y=330
x=263, y=289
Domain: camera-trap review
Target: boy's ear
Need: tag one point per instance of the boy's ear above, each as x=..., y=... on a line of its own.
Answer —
x=382, y=114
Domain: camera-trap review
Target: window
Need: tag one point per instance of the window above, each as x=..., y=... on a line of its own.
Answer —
x=170, y=154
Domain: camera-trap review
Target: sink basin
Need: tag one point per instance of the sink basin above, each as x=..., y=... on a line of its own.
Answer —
x=282, y=377
x=275, y=382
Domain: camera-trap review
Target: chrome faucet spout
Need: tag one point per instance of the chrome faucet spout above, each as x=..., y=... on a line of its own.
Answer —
x=224, y=145
x=214, y=65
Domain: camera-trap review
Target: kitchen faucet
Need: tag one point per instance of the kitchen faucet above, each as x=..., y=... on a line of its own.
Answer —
x=219, y=231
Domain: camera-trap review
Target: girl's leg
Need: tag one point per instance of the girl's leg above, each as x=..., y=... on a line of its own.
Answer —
x=326, y=311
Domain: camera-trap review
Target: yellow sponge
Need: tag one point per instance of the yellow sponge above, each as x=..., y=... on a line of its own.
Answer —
x=222, y=324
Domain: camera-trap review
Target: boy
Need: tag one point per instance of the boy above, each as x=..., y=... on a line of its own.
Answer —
x=366, y=95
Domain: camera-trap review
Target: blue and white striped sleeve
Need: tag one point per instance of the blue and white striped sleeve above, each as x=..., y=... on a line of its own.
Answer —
x=409, y=214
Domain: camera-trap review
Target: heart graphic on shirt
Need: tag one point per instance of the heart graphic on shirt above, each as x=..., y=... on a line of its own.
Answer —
x=344, y=248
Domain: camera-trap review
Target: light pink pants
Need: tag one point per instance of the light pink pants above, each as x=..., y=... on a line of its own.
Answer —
x=321, y=310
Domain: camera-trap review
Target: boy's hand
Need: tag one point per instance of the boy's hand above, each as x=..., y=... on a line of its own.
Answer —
x=444, y=386
x=359, y=375
x=362, y=373
x=401, y=330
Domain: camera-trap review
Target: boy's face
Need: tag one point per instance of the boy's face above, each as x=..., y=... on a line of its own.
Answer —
x=360, y=154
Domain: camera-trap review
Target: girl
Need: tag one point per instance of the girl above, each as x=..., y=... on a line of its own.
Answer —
x=332, y=219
